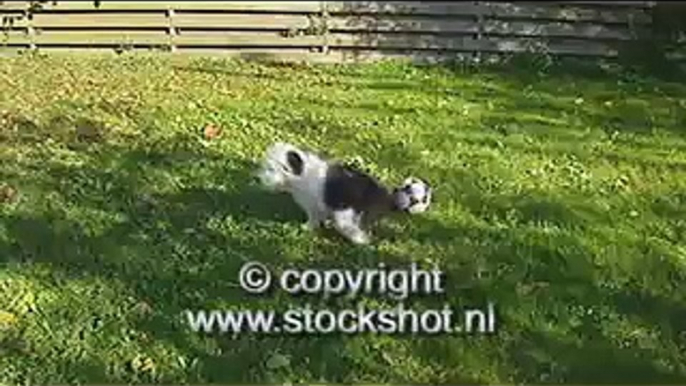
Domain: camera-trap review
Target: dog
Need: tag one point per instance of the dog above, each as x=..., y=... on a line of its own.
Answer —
x=351, y=199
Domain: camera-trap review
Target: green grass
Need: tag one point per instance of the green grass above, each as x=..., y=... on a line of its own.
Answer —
x=560, y=197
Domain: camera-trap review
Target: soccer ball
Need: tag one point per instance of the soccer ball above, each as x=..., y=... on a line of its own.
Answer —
x=416, y=195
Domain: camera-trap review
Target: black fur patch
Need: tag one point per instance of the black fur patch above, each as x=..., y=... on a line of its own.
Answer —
x=347, y=187
x=295, y=162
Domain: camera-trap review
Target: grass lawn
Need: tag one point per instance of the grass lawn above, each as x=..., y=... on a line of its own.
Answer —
x=127, y=197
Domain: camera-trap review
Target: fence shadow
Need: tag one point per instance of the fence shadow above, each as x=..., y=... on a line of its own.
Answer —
x=176, y=250
x=455, y=31
x=535, y=35
x=181, y=248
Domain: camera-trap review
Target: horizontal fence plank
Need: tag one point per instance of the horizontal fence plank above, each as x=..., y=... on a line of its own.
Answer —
x=14, y=37
x=113, y=37
x=100, y=20
x=349, y=41
x=333, y=56
x=10, y=21
x=401, y=41
x=557, y=29
x=364, y=56
x=545, y=11
x=244, y=21
x=230, y=38
x=494, y=26
x=405, y=24
x=89, y=50
x=290, y=56
x=237, y=6
x=548, y=46
x=13, y=5
x=608, y=4
x=404, y=7
x=489, y=44
x=264, y=54
x=11, y=13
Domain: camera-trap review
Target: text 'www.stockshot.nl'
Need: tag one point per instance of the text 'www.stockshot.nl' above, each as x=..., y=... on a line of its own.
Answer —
x=398, y=284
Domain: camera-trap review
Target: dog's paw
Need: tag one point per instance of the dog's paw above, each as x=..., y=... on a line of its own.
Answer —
x=360, y=239
x=311, y=226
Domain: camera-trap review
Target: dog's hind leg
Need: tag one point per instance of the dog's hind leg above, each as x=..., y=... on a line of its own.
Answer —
x=347, y=223
x=315, y=219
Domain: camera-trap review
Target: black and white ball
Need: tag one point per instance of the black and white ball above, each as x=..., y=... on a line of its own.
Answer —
x=416, y=195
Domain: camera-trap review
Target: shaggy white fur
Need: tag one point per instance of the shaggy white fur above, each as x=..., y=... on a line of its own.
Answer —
x=327, y=190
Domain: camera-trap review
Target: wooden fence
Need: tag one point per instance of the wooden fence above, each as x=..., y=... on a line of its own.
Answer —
x=326, y=30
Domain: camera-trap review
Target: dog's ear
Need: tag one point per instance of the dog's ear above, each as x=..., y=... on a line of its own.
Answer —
x=295, y=162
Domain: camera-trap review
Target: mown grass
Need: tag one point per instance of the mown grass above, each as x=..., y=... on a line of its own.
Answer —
x=560, y=197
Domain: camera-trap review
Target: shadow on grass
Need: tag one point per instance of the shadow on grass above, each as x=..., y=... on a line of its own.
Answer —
x=181, y=250
x=180, y=247
x=566, y=95
x=566, y=315
x=570, y=93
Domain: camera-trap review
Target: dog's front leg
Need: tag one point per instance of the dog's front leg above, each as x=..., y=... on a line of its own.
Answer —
x=315, y=219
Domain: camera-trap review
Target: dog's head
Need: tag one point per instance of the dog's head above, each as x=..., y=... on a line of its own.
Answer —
x=283, y=163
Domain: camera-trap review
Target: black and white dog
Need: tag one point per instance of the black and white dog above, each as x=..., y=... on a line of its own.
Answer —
x=327, y=190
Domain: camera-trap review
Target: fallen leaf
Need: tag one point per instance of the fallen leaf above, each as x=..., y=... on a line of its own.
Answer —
x=7, y=193
x=143, y=308
x=148, y=365
x=212, y=131
x=7, y=319
x=89, y=131
x=140, y=364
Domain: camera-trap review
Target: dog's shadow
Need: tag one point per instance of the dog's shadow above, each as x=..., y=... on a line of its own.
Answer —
x=256, y=203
